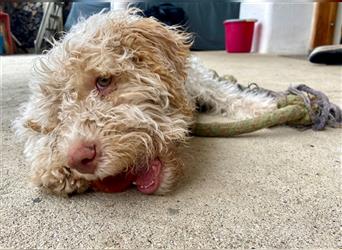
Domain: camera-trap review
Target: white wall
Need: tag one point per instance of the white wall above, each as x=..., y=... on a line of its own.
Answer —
x=119, y=4
x=283, y=28
x=338, y=25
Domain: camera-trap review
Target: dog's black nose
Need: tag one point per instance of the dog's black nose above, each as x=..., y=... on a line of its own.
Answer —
x=83, y=156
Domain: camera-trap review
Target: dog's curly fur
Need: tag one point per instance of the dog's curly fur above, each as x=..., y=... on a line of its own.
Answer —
x=144, y=114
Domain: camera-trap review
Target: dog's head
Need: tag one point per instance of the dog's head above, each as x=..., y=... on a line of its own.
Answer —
x=106, y=98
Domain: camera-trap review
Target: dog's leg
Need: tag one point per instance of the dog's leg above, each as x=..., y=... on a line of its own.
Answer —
x=57, y=178
x=223, y=97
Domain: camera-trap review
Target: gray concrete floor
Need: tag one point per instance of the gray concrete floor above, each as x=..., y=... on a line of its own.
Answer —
x=275, y=188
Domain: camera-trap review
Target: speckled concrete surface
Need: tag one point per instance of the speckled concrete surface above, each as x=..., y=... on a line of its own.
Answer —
x=274, y=188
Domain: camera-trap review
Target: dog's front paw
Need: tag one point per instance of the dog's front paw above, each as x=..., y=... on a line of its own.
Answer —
x=59, y=180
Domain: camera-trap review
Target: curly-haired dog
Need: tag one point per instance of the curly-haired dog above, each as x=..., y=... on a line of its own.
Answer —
x=116, y=97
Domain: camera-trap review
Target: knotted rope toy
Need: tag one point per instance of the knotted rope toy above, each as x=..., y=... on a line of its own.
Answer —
x=299, y=106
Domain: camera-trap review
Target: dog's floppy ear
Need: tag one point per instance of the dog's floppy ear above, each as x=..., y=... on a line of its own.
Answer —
x=154, y=40
x=163, y=49
x=40, y=113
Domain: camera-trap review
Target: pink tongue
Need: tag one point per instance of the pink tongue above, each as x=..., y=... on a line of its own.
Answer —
x=148, y=180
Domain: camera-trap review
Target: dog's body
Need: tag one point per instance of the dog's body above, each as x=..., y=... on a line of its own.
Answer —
x=117, y=95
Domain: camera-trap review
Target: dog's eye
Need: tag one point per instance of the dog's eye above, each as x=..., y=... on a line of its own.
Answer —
x=103, y=82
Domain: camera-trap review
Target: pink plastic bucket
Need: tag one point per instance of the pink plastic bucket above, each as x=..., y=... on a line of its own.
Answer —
x=239, y=35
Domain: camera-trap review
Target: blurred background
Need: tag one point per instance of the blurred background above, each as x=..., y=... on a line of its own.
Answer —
x=278, y=28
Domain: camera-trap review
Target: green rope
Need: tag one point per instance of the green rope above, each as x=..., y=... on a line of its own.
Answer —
x=289, y=114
